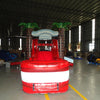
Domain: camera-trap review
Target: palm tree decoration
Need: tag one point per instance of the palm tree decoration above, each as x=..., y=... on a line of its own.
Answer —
x=61, y=25
x=29, y=25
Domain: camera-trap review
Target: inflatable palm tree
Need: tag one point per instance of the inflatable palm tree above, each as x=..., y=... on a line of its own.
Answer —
x=29, y=27
x=61, y=27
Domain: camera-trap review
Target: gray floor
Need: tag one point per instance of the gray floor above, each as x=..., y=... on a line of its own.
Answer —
x=83, y=77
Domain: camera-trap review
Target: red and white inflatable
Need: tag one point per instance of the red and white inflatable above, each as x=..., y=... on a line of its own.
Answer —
x=45, y=72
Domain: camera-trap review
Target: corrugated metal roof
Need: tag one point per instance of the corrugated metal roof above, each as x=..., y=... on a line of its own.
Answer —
x=48, y=11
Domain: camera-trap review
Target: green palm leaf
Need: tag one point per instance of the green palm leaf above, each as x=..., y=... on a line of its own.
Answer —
x=61, y=25
x=29, y=25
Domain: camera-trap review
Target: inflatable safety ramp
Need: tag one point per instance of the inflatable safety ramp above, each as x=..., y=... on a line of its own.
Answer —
x=45, y=72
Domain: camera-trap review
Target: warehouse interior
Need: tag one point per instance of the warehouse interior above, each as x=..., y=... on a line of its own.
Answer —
x=81, y=39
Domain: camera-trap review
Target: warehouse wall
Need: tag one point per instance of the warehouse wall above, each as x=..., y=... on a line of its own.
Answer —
x=97, y=35
x=14, y=43
x=24, y=43
x=74, y=38
x=4, y=43
x=86, y=35
x=3, y=34
x=13, y=30
x=66, y=38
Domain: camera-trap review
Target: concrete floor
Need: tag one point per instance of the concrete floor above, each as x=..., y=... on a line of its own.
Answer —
x=83, y=77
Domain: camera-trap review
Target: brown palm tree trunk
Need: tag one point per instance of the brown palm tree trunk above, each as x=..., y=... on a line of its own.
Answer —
x=61, y=42
x=29, y=43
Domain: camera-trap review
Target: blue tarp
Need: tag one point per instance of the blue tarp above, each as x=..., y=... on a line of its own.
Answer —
x=7, y=56
x=94, y=63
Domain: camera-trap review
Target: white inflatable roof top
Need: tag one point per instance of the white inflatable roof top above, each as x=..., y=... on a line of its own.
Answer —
x=45, y=34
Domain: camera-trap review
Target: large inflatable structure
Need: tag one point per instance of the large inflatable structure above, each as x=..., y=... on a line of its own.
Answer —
x=45, y=72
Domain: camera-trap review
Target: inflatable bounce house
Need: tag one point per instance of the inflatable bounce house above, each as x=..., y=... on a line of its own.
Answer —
x=45, y=72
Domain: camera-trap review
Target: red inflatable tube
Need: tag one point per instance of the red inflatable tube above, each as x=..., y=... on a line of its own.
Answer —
x=15, y=63
x=45, y=88
x=44, y=66
x=71, y=64
x=45, y=82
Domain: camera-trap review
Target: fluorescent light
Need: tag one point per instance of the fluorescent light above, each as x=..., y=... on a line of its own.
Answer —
x=20, y=44
x=92, y=45
x=93, y=30
x=79, y=33
x=69, y=48
x=79, y=39
x=69, y=36
x=0, y=41
x=9, y=42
